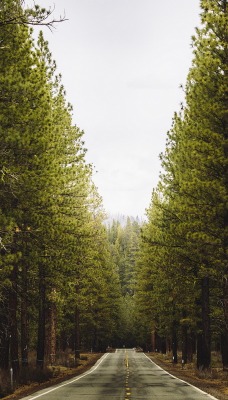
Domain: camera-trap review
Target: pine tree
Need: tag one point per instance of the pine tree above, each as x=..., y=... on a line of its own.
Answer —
x=23, y=99
x=200, y=159
x=190, y=230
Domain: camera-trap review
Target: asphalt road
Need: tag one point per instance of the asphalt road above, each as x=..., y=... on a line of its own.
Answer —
x=123, y=375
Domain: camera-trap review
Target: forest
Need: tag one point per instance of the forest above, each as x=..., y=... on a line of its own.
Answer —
x=68, y=280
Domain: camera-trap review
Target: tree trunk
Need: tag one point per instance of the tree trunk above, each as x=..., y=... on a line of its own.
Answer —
x=163, y=345
x=224, y=338
x=77, y=334
x=13, y=329
x=95, y=340
x=51, y=318
x=224, y=349
x=174, y=342
x=185, y=343
x=41, y=320
x=191, y=346
x=4, y=332
x=204, y=336
x=153, y=341
x=158, y=343
x=24, y=317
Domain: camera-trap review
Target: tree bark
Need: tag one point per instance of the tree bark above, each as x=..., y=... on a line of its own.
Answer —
x=153, y=341
x=224, y=338
x=161, y=344
x=51, y=320
x=224, y=349
x=77, y=334
x=4, y=332
x=13, y=328
x=204, y=335
x=185, y=343
x=41, y=320
x=191, y=346
x=174, y=342
x=24, y=317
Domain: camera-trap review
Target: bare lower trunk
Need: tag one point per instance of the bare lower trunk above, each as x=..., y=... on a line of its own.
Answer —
x=161, y=344
x=185, y=343
x=224, y=338
x=41, y=321
x=174, y=342
x=51, y=319
x=153, y=341
x=4, y=332
x=204, y=336
x=224, y=349
x=77, y=334
x=191, y=346
x=13, y=329
x=24, y=318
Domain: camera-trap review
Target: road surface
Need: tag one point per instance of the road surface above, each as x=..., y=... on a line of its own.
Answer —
x=123, y=375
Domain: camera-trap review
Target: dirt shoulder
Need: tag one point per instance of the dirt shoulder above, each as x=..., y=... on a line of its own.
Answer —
x=62, y=374
x=214, y=382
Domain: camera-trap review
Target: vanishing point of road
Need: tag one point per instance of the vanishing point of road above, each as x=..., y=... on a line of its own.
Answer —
x=123, y=375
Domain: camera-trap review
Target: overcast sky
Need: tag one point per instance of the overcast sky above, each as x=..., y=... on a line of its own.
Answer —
x=122, y=62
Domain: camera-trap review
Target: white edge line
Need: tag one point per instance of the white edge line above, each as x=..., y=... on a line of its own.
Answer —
x=72, y=380
x=181, y=380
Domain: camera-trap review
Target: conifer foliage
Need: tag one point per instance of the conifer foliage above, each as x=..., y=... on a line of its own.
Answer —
x=57, y=279
x=185, y=241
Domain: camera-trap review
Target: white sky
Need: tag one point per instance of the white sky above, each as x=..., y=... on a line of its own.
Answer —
x=122, y=62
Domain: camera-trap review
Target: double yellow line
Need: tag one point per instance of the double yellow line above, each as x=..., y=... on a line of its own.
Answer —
x=127, y=389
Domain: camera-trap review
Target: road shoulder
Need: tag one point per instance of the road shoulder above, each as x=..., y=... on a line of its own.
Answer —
x=215, y=387
x=33, y=387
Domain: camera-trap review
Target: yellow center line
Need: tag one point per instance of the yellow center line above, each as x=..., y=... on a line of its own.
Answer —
x=126, y=359
x=127, y=389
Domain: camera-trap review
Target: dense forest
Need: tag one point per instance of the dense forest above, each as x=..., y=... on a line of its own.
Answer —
x=70, y=282
x=182, y=284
